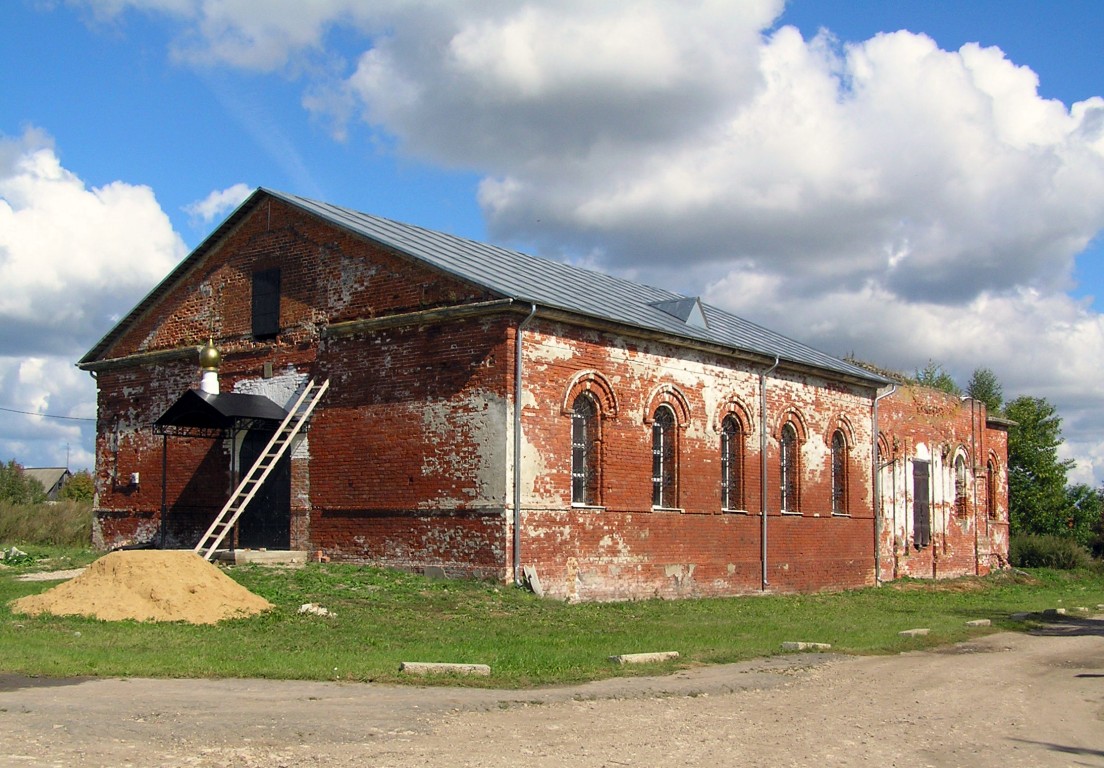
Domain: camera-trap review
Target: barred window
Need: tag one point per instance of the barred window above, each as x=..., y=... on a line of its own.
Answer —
x=732, y=464
x=585, y=423
x=789, y=470
x=664, y=459
x=839, y=474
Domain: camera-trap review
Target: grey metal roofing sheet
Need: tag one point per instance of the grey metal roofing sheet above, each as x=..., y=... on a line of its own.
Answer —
x=554, y=284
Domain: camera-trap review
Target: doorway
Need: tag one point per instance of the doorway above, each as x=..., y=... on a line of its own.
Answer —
x=266, y=522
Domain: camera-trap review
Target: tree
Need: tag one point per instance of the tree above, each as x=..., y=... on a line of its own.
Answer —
x=1037, y=497
x=81, y=487
x=17, y=488
x=935, y=377
x=1085, y=507
x=985, y=388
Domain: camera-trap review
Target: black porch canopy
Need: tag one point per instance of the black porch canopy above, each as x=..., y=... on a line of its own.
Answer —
x=202, y=414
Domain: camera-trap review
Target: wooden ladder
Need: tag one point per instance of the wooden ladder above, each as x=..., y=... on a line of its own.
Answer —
x=262, y=467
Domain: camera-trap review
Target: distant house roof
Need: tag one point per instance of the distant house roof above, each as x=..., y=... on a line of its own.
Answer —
x=51, y=478
x=532, y=280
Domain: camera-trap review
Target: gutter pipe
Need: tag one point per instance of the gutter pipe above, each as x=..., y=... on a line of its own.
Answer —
x=878, y=490
x=517, y=442
x=763, y=463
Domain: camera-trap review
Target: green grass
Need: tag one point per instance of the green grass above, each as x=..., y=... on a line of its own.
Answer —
x=383, y=618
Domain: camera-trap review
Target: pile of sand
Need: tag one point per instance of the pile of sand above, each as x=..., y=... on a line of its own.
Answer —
x=148, y=585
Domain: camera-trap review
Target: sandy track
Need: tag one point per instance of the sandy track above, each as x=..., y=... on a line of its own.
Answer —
x=1005, y=700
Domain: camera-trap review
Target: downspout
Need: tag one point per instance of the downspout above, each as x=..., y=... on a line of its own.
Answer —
x=878, y=491
x=763, y=464
x=517, y=443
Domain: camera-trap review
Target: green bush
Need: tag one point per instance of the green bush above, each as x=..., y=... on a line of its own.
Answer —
x=1046, y=551
x=63, y=523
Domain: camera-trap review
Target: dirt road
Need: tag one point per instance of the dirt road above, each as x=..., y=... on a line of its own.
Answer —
x=1006, y=700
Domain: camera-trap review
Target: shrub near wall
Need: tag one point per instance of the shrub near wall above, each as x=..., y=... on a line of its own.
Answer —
x=1045, y=551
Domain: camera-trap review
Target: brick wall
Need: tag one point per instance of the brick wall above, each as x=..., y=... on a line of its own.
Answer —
x=969, y=532
x=408, y=461
x=623, y=548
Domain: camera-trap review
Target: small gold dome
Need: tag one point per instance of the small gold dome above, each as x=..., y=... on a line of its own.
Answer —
x=209, y=357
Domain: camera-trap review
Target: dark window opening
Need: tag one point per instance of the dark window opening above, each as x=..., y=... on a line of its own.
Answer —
x=991, y=489
x=921, y=507
x=664, y=477
x=789, y=469
x=732, y=464
x=839, y=474
x=266, y=303
x=584, y=451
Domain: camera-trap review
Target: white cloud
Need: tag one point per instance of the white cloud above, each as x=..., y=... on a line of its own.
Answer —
x=219, y=203
x=72, y=259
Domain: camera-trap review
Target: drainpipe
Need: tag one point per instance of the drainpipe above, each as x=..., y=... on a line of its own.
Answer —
x=517, y=443
x=763, y=464
x=878, y=491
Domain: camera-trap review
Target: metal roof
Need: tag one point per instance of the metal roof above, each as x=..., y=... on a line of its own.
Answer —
x=554, y=284
x=532, y=280
x=221, y=412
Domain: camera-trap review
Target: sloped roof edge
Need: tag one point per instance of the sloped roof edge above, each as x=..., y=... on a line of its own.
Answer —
x=530, y=279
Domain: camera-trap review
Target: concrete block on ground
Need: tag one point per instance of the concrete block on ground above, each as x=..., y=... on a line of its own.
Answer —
x=1054, y=612
x=802, y=646
x=979, y=623
x=914, y=632
x=434, y=668
x=644, y=658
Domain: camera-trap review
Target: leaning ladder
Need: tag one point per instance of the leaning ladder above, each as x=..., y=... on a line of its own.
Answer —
x=262, y=467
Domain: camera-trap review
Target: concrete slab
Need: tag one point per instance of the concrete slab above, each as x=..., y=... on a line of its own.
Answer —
x=434, y=668
x=804, y=646
x=644, y=658
x=979, y=623
x=914, y=632
x=261, y=556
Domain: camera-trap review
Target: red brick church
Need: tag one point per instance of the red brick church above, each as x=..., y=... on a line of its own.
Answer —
x=486, y=413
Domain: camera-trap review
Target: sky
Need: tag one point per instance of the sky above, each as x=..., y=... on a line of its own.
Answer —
x=904, y=182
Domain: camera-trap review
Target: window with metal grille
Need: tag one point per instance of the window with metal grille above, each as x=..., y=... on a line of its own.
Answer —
x=839, y=474
x=991, y=489
x=961, y=485
x=732, y=464
x=584, y=450
x=266, y=303
x=664, y=459
x=789, y=469
x=921, y=507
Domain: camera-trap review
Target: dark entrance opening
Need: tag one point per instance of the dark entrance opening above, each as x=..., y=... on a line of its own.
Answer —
x=266, y=522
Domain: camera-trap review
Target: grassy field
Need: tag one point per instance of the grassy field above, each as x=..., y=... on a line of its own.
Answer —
x=382, y=618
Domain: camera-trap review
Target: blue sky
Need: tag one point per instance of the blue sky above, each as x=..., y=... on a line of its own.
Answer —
x=902, y=196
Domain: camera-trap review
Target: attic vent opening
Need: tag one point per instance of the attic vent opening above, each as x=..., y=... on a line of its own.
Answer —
x=688, y=311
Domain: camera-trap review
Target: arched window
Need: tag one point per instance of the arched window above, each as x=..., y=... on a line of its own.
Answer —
x=789, y=469
x=991, y=489
x=961, y=485
x=732, y=464
x=585, y=423
x=664, y=459
x=839, y=473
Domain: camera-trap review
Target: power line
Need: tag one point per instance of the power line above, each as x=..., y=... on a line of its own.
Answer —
x=45, y=415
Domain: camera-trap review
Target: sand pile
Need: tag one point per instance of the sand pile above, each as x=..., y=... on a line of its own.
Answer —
x=148, y=585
